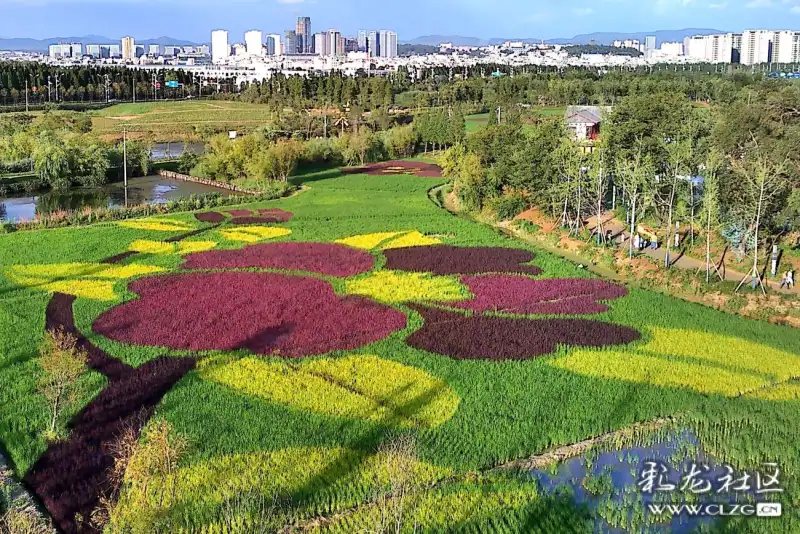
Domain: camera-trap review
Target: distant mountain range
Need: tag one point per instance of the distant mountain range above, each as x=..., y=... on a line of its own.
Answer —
x=43, y=45
x=603, y=38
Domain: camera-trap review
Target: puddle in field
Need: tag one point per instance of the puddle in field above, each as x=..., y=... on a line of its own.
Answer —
x=606, y=483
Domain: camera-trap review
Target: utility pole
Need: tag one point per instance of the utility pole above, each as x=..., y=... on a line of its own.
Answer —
x=107, y=78
x=48, y=89
x=26, y=95
x=57, y=76
x=133, y=83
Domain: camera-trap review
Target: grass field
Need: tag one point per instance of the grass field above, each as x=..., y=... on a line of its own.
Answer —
x=173, y=120
x=394, y=319
x=479, y=120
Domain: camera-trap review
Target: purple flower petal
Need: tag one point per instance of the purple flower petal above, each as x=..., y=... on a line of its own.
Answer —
x=518, y=294
x=446, y=259
x=495, y=338
x=324, y=258
x=265, y=313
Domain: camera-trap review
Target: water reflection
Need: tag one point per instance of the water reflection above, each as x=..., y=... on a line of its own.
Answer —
x=606, y=483
x=142, y=190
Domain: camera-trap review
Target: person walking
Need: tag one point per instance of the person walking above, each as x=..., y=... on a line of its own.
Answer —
x=784, y=280
x=790, y=279
x=636, y=241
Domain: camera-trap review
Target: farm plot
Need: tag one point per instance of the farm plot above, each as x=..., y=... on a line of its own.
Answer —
x=174, y=120
x=317, y=356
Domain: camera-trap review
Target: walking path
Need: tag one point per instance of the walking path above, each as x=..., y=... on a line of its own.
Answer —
x=681, y=261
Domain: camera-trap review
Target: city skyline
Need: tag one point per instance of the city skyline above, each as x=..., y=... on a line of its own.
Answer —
x=473, y=18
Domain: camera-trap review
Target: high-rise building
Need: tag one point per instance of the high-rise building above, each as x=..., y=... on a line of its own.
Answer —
x=650, y=42
x=374, y=44
x=335, y=45
x=204, y=50
x=672, y=49
x=220, y=48
x=388, y=44
x=362, y=40
x=254, y=40
x=303, y=32
x=139, y=50
x=290, y=42
x=128, y=48
x=172, y=50
x=321, y=44
x=92, y=50
x=786, y=47
x=350, y=45
x=65, y=50
x=154, y=50
x=239, y=50
x=273, y=43
x=756, y=47
x=695, y=47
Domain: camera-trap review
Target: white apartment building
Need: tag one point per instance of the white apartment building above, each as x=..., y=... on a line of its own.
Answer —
x=64, y=50
x=253, y=42
x=388, y=44
x=220, y=49
x=335, y=44
x=321, y=44
x=786, y=47
x=128, y=48
x=695, y=47
x=756, y=47
x=672, y=49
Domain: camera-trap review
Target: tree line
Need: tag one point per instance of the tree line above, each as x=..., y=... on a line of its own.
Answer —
x=731, y=171
x=417, y=87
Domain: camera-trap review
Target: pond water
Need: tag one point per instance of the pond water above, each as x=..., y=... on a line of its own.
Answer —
x=607, y=484
x=141, y=190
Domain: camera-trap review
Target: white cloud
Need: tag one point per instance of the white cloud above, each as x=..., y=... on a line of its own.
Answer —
x=721, y=5
x=754, y=4
x=583, y=11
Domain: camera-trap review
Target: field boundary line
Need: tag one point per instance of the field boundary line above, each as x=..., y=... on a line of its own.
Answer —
x=566, y=452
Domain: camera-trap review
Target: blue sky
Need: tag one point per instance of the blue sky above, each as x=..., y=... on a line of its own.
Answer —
x=194, y=19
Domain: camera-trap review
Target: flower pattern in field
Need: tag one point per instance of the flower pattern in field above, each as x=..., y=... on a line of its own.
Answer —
x=464, y=337
x=323, y=258
x=551, y=296
x=416, y=168
x=266, y=313
x=446, y=259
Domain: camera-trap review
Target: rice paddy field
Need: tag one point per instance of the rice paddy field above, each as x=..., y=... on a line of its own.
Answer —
x=174, y=120
x=291, y=343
